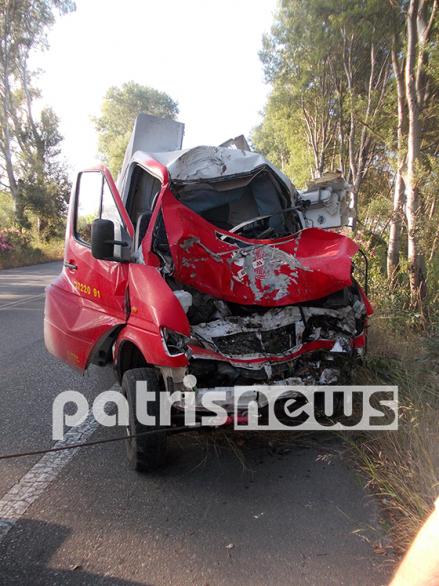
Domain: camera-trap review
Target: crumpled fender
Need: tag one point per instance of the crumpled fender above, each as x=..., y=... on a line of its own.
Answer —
x=153, y=305
x=283, y=271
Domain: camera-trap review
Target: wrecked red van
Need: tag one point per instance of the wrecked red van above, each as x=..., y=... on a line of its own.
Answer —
x=204, y=261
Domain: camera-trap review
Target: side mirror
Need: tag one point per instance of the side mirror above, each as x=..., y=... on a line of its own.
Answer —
x=102, y=239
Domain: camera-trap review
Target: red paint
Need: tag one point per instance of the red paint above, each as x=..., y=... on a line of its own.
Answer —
x=239, y=419
x=315, y=263
x=199, y=352
x=319, y=263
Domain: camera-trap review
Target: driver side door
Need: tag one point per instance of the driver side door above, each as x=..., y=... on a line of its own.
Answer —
x=88, y=300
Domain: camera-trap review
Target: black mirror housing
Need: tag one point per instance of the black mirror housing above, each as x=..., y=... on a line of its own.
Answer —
x=102, y=239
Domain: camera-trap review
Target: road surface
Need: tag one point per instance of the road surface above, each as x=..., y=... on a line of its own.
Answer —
x=232, y=510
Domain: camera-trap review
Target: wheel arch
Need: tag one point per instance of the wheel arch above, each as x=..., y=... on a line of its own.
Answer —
x=128, y=356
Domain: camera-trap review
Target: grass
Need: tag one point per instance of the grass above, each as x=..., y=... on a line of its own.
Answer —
x=402, y=467
x=32, y=253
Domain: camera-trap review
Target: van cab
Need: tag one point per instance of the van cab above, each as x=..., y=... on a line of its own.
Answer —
x=204, y=261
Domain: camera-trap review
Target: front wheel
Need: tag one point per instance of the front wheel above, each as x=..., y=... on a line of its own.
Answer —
x=148, y=451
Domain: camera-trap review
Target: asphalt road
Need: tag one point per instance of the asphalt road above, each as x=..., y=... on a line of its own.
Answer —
x=233, y=510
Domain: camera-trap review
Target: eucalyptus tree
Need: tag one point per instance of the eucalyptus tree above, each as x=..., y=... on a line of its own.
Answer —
x=331, y=61
x=24, y=25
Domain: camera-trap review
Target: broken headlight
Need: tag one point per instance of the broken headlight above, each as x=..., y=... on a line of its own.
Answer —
x=173, y=342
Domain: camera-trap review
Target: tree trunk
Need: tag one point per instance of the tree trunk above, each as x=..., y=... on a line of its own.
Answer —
x=418, y=288
x=6, y=104
x=395, y=228
x=399, y=187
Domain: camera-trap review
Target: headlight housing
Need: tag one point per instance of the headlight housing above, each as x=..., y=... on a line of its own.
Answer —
x=175, y=344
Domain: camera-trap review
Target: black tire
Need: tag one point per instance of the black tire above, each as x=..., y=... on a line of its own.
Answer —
x=145, y=452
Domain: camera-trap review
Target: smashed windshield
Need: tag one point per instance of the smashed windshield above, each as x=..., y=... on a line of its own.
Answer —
x=254, y=206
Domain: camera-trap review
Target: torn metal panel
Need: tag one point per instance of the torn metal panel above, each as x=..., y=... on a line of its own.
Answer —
x=328, y=202
x=281, y=271
x=210, y=163
x=151, y=134
x=239, y=142
x=278, y=332
x=274, y=333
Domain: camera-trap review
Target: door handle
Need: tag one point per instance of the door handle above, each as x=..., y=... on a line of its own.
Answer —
x=70, y=265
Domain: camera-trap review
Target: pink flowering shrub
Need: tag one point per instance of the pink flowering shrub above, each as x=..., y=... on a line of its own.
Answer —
x=5, y=244
x=19, y=248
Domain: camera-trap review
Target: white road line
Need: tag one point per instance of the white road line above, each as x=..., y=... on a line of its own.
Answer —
x=22, y=495
x=20, y=301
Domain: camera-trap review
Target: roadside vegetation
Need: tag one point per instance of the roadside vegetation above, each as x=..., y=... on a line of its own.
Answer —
x=34, y=180
x=355, y=87
x=34, y=183
x=403, y=466
x=25, y=246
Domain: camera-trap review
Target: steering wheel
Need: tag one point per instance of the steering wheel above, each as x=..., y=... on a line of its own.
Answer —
x=258, y=222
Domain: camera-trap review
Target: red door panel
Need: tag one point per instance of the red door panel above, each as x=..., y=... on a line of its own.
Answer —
x=88, y=298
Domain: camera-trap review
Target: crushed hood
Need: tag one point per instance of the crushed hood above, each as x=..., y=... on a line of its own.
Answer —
x=207, y=163
x=283, y=271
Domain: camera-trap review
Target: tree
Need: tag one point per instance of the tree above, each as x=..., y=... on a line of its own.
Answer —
x=44, y=183
x=417, y=131
x=23, y=28
x=393, y=250
x=282, y=137
x=120, y=107
x=331, y=62
x=298, y=62
x=356, y=84
x=420, y=21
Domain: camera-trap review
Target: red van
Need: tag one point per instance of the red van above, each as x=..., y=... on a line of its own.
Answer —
x=204, y=261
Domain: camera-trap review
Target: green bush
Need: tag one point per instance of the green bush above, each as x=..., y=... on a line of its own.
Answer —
x=20, y=249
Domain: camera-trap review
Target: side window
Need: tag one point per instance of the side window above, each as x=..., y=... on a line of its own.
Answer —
x=88, y=204
x=94, y=201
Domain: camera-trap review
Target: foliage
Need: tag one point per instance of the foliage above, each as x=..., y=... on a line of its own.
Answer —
x=281, y=137
x=329, y=66
x=6, y=210
x=5, y=244
x=20, y=248
x=334, y=104
x=45, y=187
x=31, y=171
x=120, y=107
x=402, y=466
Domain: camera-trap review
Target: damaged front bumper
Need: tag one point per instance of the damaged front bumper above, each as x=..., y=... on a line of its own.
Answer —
x=279, y=334
x=301, y=344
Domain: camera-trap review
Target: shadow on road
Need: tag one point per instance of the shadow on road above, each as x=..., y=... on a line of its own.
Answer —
x=21, y=572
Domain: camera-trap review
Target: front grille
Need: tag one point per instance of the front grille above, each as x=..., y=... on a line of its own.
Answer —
x=273, y=342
